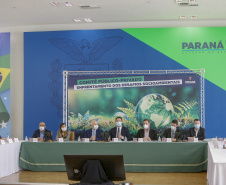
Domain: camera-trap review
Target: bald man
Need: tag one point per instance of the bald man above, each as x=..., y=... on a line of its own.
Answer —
x=94, y=134
x=41, y=132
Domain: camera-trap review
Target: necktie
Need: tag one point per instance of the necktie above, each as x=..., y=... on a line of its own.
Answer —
x=118, y=132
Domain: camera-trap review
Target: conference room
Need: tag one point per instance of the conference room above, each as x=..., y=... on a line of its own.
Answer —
x=129, y=92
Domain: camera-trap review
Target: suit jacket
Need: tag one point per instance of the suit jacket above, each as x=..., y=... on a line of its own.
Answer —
x=88, y=134
x=178, y=134
x=124, y=133
x=152, y=134
x=201, y=133
x=36, y=133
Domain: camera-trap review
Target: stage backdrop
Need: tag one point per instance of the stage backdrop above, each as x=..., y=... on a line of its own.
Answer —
x=159, y=98
x=4, y=84
x=47, y=54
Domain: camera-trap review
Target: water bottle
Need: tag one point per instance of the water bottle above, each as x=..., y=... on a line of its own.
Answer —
x=159, y=139
x=26, y=139
x=79, y=138
x=125, y=138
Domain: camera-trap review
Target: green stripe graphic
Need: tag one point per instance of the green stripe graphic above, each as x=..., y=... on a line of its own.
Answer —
x=206, y=47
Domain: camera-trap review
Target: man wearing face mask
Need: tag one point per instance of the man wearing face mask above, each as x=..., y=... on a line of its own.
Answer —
x=147, y=134
x=174, y=132
x=197, y=131
x=119, y=131
x=41, y=132
x=94, y=133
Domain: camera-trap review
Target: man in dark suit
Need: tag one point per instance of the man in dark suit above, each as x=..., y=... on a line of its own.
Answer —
x=94, y=133
x=119, y=131
x=147, y=133
x=197, y=131
x=42, y=133
x=174, y=132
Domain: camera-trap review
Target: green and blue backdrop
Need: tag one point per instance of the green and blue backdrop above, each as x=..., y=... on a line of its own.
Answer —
x=47, y=54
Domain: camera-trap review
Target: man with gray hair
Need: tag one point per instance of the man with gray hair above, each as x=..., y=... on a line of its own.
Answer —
x=94, y=133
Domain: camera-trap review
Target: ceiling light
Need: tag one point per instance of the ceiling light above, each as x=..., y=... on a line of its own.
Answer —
x=55, y=4
x=183, y=17
x=179, y=1
x=77, y=20
x=90, y=6
x=66, y=3
x=194, y=17
x=88, y=20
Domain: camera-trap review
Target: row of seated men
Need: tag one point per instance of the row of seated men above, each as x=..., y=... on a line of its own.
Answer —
x=121, y=132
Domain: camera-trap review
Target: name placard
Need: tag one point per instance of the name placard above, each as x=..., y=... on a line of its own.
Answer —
x=168, y=140
x=220, y=139
x=10, y=141
x=86, y=139
x=16, y=140
x=60, y=140
x=140, y=140
x=34, y=139
x=115, y=139
x=2, y=142
x=134, y=139
x=191, y=139
x=196, y=140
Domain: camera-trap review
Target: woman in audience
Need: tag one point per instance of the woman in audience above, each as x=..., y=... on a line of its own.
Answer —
x=63, y=132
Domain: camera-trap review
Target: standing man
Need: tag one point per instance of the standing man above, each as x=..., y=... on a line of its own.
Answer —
x=94, y=133
x=119, y=131
x=147, y=133
x=174, y=132
x=197, y=131
x=42, y=133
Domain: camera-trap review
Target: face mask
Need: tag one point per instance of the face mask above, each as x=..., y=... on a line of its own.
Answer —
x=173, y=128
x=197, y=126
x=119, y=124
x=96, y=127
x=146, y=127
x=41, y=128
x=64, y=129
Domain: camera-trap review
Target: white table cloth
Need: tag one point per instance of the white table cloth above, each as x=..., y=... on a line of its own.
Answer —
x=216, y=171
x=9, y=158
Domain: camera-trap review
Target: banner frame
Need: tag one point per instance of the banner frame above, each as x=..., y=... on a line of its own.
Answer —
x=200, y=72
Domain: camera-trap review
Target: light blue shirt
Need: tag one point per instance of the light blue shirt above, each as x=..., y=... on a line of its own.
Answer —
x=42, y=134
x=94, y=133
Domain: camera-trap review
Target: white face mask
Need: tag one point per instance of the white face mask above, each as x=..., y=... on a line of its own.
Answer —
x=41, y=128
x=173, y=128
x=95, y=127
x=63, y=129
x=146, y=126
x=197, y=126
x=119, y=124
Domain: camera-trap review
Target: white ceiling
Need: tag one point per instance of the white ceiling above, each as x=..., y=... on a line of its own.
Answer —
x=41, y=12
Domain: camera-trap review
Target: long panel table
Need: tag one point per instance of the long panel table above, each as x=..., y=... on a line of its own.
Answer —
x=138, y=157
x=9, y=162
x=216, y=165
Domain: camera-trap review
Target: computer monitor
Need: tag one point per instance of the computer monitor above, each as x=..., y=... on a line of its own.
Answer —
x=113, y=166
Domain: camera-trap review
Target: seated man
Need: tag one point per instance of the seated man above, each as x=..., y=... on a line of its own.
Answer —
x=197, y=131
x=40, y=133
x=146, y=133
x=174, y=132
x=119, y=131
x=94, y=133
